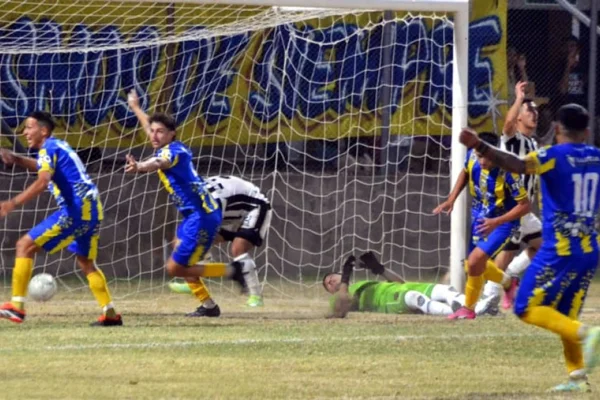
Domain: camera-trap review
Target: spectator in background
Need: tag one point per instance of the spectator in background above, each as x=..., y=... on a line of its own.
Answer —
x=517, y=71
x=573, y=85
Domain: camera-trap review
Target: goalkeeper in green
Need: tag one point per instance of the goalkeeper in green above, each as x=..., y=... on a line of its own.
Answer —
x=394, y=296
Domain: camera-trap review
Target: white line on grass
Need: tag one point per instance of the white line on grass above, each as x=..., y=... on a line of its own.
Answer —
x=249, y=342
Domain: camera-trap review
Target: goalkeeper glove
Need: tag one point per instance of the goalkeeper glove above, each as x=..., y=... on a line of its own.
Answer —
x=347, y=269
x=370, y=262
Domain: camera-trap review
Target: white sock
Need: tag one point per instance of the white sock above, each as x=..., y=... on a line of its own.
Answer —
x=418, y=301
x=210, y=303
x=444, y=294
x=518, y=264
x=250, y=274
x=492, y=289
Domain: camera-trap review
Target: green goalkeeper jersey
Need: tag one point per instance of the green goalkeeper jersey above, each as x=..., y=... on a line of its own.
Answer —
x=385, y=297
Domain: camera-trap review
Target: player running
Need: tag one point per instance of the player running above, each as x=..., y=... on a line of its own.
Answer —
x=499, y=202
x=554, y=287
x=521, y=123
x=395, y=296
x=246, y=220
x=201, y=213
x=75, y=225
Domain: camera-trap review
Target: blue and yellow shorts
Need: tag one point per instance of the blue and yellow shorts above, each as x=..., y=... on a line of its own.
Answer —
x=195, y=236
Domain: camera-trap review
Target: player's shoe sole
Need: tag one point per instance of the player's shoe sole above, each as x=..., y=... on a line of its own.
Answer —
x=12, y=313
x=255, y=301
x=591, y=348
x=581, y=386
x=205, y=312
x=179, y=287
x=106, y=321
x=463, y=313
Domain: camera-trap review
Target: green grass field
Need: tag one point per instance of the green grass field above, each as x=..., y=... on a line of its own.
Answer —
x=285, y=350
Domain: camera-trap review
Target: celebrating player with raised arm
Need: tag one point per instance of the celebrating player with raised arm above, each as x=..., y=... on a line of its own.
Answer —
x=394, y=296
x=519, y=127
x=76, y=224
x=202, y=215
x=246, y=221
x=554, y=287
x=499, y=201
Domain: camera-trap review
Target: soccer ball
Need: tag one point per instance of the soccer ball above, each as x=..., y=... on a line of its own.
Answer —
x=42, y=287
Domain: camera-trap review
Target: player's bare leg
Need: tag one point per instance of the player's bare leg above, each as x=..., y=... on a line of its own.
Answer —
x=21, y=275
x=235, y=271
x=240, y=249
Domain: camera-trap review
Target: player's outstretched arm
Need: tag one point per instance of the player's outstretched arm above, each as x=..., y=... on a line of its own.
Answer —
x=150, y=165
x=10, y=158
x=133, y=100
x=448, y=205
x=369, y=261
x=507, y=161
x=510, y=122
x=32, y=191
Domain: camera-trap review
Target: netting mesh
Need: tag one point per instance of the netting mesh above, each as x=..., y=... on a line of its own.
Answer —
x=341, y=117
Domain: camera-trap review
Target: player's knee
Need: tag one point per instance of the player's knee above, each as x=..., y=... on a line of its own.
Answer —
x=26, y=247
x=86, y=265
x=476, y=262
x=172, y=269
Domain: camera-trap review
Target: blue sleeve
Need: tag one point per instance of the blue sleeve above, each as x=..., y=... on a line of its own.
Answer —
x=170, y=153
x=515, y=186
x=46, y=159
x=544, y=159
x=467, y=157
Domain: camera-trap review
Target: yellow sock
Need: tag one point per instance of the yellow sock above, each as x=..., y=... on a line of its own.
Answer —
x=493, y=273
x=199, y=290
x=97, y=283
x=21, y=276
x=214, y=270
x=550, y=319
x=573, y=355
x=473, y=290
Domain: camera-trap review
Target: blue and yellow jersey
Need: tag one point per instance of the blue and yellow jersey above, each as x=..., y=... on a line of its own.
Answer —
x=187, y=190
x=71, y=186
x=569, y=195
x=494, y=191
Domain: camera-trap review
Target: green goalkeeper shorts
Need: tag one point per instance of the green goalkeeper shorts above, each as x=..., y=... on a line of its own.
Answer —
x=393, y=301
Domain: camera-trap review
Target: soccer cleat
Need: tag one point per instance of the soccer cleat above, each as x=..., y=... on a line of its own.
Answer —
x=573, y=385
x=255, y=301
x=180, y=287
x=205, y=312
x=510, y=293
x=463, y=313
x=12, y=313
x=591, y=348
x=484, y=305
x=107, y=321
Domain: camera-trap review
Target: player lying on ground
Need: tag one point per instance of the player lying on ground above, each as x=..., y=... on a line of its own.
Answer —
x=394, y=296
x=187, y=190
x=554, y=287
x=519, y=127
x=246, y=220
x=499, y=202
x=76, y=224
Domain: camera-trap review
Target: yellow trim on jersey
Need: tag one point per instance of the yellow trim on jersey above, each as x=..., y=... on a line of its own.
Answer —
x=586, y=244
x=470, y=165
x=522, y=192
x=45, y=162
x=499, y=191
x=563, y=245
x=542, y=168
x=165, y=181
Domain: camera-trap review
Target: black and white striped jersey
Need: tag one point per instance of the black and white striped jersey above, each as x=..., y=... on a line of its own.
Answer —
x=237, y=196
x=521, y=145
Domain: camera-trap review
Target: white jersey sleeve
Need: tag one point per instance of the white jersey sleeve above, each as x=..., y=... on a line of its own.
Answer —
x=235, y=194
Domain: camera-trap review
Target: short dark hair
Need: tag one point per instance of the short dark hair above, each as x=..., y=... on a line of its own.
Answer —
x=329, y=274
x=573, y=117
x=489, y=137
x=44, y=119
x=165, y=119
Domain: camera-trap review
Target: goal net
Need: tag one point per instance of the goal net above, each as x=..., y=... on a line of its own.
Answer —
x=342, y=117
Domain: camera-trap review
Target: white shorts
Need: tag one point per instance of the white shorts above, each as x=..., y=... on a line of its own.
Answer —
x=253, y=227
x=531, y=228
